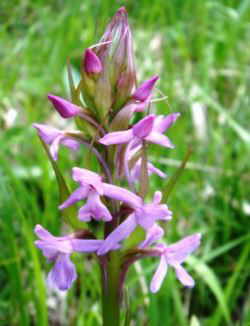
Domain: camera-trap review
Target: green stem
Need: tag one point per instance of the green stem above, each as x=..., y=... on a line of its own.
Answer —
x=111, y=292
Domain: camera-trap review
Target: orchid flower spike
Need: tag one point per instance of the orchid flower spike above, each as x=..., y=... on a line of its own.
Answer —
x=58, y=250
x=174, y=255
x=108, y=88
x=54, y=137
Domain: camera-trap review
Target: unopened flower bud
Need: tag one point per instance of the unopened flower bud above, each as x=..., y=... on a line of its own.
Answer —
x=65, y=108
x=91, y=63
x=145, y=89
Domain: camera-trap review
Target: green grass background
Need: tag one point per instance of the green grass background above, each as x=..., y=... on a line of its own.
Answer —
x=201, y=50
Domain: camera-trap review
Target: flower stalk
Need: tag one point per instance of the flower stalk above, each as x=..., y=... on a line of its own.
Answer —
x=117, y=194
x=111, y=294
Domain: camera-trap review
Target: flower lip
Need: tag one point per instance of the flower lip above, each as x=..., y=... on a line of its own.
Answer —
x=94, y=208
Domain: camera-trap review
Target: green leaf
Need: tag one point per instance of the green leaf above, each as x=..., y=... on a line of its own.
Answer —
x=174, y=178
x=212, y=281
x=235, y=282
x=71, y=81
x=243, y=134
x=222, y=250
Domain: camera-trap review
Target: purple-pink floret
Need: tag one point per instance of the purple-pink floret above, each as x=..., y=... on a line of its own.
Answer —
x=174, y=255
x=54, y=137
x=59, y=250
x=144, y=215
x=91, y=188
x=149, y=129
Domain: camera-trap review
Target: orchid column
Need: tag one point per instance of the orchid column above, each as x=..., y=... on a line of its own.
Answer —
x=102, y=106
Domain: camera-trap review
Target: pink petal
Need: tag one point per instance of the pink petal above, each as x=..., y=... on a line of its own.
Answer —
x=159, y=275
x=145, y=89
x=136, y=170
x=183, y=276
x=42, y=233
x=47, y=133
x=179, y=251
x=79, y=194
x=160, y=139
x=88, y=245
x=154, y=169
x=143, y=128
x=157, y=197
x=84, y=214
x=54, y=147
x=163, y=123
x=119, y=234
x=117, y=137
x=70, y=143
x=122, y=194
x=147, y=214
x=49, y=249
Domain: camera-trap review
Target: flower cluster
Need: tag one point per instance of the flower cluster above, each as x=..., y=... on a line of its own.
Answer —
x=102, y=105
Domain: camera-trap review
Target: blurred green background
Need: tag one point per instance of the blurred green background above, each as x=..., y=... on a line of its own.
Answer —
x=201, y=50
